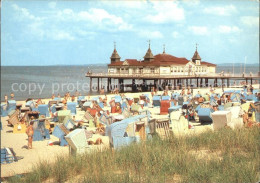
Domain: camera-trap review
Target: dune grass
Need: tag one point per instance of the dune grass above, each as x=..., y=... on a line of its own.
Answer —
x=222, y=156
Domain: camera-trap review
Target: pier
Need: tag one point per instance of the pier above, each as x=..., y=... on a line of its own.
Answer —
x=172, y=81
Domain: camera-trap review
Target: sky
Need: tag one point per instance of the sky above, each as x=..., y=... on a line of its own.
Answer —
x=83, y=32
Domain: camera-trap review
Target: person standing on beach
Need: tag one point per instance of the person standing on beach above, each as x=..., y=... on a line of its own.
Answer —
x=29, y=132
x=12, y=95
x=6, y=98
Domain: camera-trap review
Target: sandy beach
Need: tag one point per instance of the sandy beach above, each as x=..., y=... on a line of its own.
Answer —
x=42, y=152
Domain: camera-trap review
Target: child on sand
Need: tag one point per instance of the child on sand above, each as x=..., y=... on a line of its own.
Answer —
x=29, y=132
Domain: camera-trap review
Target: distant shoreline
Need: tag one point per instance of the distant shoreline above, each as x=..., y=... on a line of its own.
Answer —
x=105, y=65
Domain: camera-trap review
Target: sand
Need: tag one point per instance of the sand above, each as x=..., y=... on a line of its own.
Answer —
x=42, y=152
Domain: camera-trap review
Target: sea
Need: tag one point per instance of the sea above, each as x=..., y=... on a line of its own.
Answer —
x=43, y=81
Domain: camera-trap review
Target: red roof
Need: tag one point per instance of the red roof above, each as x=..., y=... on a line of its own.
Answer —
x=207, y=63
x=159, y=60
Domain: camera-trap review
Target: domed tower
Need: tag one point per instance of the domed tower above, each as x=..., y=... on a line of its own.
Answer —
x=149, y=55
x=115, y=57
x=196, y=57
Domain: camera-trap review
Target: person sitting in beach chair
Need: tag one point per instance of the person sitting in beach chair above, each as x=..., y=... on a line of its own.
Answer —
x=39, y=102
x=73, y=98
x=118, y=108
x=64, y=101
x=53, y=96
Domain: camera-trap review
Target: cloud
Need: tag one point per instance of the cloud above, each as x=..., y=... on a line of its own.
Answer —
x=175, y=34
x=96, y=16
x=228, y=29
x=191, y=2
x=221, y=11
x=150, y=34
x=23, y=13
x=61, y=35
x=52, y=5
x=129, y=4
x=37, y=30
x=164, y=12
x=199, y=30
x=250, y=20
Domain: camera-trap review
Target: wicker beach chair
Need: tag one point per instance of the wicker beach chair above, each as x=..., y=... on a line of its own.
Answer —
x=163, y=128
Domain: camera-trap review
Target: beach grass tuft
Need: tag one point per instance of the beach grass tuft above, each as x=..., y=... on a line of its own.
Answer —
x=225, y=155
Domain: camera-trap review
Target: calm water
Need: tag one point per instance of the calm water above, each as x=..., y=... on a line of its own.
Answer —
x=42, y=81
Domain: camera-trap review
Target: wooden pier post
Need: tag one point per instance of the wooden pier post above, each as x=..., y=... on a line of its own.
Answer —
x=98, y=84
x=201, y=82
x=227, y=82
x=215, y=82
x=251, y=81
x=207, y=82
x=197, y=82
x=133, y=85
x=90, y=83
x=174, y=84
x=144, y=85
x=187, y=83
x=108, y=84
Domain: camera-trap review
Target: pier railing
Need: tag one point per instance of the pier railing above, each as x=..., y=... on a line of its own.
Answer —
x=155, y=75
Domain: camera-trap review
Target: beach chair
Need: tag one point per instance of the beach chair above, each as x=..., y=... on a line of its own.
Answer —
x=4, y=110
x=6, y=156
x=175, y=96
x=156, y=100
x=62, y=115
x=118, y=136
x=126, y=113
x=101, y=104
x=174, y=108
x=124, y=105
x=13, y=117
x=11, y=105
x=163, y=128
x=77, y=141
x=86, y=105
x=95, y=99
x=118, y=99
x=40, y=132
x=227, y=105
x=135, y=108
x=44, y=110
x=130, y=101
x=105, y=119
x=221, y=108
x=220, y=119
x=205, y=115
x=166, y=97
x=197, y=108
x=179, y=123
x=52, y=102
x=165, y=105
x=58, y=99
x=69, y=124
x=180, y=100
x=72, y=107
x=60, y=131
x=136, y=100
